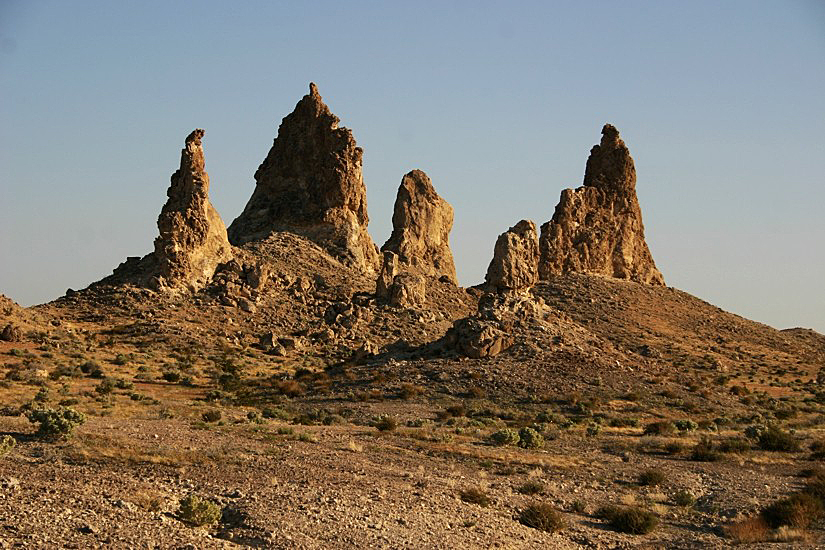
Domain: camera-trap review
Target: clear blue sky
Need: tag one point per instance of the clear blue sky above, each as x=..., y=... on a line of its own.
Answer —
x=721, y=103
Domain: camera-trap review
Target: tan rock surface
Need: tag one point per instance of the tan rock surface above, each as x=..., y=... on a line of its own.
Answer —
x=598, y=228
x=192, y=240
x=311, y=184
x=515, y=258
x=422, y=221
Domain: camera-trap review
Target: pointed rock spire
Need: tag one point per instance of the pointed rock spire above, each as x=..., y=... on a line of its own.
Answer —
x=192, y=240
x=421, y=224
x=598, y=228
x=311, y=184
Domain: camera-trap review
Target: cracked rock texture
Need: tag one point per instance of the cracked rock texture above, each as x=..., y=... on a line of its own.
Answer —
x=597, y=228
x=311, y=184
x=515, y=259
x=192, y=240
x=421, y=222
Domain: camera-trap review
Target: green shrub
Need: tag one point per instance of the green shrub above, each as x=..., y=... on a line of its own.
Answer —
x=507, y=436
x=662, y=427
x=530, y=439
x=593, y=429
x=735, y=445
x=120, y=359
x=7, y=445
x=651, y=478
x=56, y=423
x=197, y=511
x=686, y=425
x=123, y=384
x=798, y=510
x=474, y=495
x=634, y=521
x=775, y=439
x=543, y=517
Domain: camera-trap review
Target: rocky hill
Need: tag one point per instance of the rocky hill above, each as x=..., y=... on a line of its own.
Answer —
x=316, y=394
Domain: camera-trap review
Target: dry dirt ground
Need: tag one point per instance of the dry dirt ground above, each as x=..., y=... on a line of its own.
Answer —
x=357, y=429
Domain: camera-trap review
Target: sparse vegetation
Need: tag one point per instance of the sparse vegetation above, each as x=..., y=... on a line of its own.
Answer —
x=7, y=444
x=542, y=516
x=198, y=511
x=56, y=423
x=629, y=519
x=651, y=477
x=531, y=487
x=475, y=495
x=504, y=437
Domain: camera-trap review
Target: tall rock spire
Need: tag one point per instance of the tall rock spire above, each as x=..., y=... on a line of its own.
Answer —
x=192, y=240
x=311, y=184
x=598, y=228
x=421, y=224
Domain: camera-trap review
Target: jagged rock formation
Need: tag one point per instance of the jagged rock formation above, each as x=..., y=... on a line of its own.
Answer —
x=311, y=184
x=598, y=228
x=192, y=240
x=421, y=224
x=389, y=269
x=515, y=259
x=399, y=289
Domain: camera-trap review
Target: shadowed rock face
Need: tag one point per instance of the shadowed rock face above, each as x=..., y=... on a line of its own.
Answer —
x=311, y=184
x=515, y=258
x=192, y=240
x=598, y=228
x=421, y=224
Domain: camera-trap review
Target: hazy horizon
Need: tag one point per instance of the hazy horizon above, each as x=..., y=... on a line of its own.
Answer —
x=720, y=106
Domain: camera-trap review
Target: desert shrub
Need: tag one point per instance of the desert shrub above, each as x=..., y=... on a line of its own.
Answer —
x=531, y=487
x=578, y=506
x=684, y=498
x=551, y=418
x=197, y=511
x=748, y=531
x=798, y=510
x=56, y=423
x=651, y=477
x=408, y=391
x=686, y=425
x=385, y=423
x=88, y=367
x=674, y=448
x=120, y=359
x=64, y=370
x=274, y=412
x=776, y=439
x=543, y=517
x=7, y=445
x=474, y=495
x=593, y=429
x=123, y=384
x=106, y=386
x=632, y=520
x=734, y=445
x=456, y=410
x=818, y=450
x=705, y=451
x=212, y=415
x=755, y=432
x=661, y=427
x=623, y=422
x=530, y=439
x=816, y=486
x=475, y=392
x=172, y=376
x=290, y=388
x=507, y=436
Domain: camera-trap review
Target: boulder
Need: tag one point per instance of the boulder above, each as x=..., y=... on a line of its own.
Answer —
x=515, y=259
x=192, y=240
x=408, y=291
x=11, y=333
x=421, y=224
x=598, y=228
x=477, y=338
x=311, y=184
